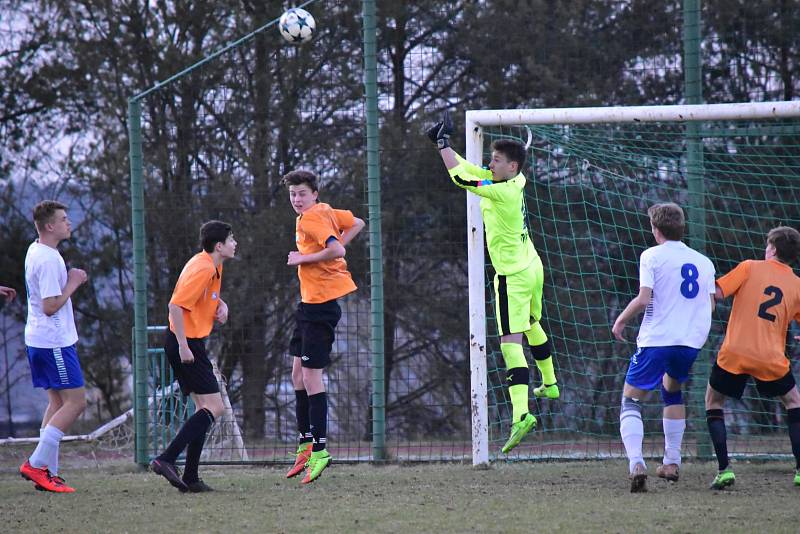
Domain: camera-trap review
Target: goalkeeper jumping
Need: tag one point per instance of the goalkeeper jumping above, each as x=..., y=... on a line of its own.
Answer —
x=519, y=275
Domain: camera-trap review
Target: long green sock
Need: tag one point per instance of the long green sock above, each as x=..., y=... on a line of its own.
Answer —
x=546, y=368
x=518, y=377
x=519, y=401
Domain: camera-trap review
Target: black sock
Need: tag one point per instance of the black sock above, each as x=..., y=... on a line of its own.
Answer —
x=793, y=417
x=719, y=437
x=193, y=452
x=193, y=428
x=318, y=416
x=303, y=425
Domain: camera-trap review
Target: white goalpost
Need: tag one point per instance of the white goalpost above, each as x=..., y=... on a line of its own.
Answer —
x=476, y=122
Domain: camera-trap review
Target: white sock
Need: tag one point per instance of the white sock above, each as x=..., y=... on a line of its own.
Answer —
x=631, y=429
x=46, y=452
x=673, y=436
x=51, y=465
x=54, y=458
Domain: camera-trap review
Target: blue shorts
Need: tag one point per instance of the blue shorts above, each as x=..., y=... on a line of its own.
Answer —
x=648, y=365
x=55, y=368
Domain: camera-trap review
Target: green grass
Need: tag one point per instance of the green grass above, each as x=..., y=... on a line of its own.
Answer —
x=518, y=497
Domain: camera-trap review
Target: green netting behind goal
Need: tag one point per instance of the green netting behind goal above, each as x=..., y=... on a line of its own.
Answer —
x=587, y=197
x=215, y=141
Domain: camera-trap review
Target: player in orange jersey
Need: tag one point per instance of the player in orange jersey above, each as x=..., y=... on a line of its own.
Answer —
x=766, y=297
x=321, y=234
x=194, y=307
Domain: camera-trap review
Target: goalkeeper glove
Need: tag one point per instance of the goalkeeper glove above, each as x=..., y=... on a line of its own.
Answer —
x=440, y=132
x=433, y=132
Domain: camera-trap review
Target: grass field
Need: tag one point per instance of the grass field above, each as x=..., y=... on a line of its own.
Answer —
x=438, y=498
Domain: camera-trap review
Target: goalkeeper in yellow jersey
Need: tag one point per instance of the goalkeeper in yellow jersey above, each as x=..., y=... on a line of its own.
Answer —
x=519, y=275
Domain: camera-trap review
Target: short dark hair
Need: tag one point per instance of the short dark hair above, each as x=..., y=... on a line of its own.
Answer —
x=786, y=241
x=300, y=177
x=513, y=150
x=214, y=232
x=43, y=212
x=668, y=218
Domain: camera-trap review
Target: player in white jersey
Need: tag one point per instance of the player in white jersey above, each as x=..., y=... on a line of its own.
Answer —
x=50, y=339
x=676, y=293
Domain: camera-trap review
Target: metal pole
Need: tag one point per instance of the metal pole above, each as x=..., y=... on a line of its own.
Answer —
x=693, y=89
x=696, y=219
x=374, y=232
x=139, y=283
x=477, y=307
x=10, y=412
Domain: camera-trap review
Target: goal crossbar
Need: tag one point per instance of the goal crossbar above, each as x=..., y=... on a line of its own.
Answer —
x=694, y=112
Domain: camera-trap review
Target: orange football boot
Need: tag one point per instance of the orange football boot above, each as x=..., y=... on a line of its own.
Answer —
x=303, y=454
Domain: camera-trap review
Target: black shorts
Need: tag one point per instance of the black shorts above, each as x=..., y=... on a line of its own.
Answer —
x=197, y=377
x=733, y=385
x=312, y=340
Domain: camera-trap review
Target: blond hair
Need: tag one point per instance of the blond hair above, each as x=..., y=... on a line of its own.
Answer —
x=668, y=218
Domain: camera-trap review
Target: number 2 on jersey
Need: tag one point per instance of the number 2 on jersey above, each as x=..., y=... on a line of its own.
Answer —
x=777, y=298
x=689, y=287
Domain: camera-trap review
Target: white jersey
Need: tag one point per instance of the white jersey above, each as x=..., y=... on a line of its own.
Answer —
x=46, y=276
x=682, y=281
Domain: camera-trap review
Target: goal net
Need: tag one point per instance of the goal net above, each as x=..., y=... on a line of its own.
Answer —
x=168, y=409
x=593, y=172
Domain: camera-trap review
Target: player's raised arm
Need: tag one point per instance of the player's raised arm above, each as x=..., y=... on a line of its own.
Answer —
x=463, y=173
x=439, y=134
x=479, y=172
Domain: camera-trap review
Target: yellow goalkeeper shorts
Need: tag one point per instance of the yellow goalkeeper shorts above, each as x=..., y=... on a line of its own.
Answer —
x=518, y=299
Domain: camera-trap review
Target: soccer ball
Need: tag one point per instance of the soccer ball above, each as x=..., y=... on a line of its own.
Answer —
x=297, y=25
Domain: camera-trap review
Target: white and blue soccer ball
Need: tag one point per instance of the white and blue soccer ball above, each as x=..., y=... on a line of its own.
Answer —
x=297, y=25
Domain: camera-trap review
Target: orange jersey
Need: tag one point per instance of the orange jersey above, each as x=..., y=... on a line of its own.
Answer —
x=197, y=292
x=324, y=280
x=766, y=297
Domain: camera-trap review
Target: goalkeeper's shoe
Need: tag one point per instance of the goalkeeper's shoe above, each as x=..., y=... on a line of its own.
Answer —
x=300, y=460
x=548, y=392
x=797, y=477
x=317, y=463
x=724, y=479
x=518, y=431
x=43, y=480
